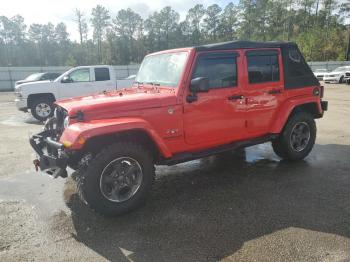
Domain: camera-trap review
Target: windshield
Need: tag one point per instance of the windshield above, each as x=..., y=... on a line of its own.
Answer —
x=162, y=69
x=34, y=77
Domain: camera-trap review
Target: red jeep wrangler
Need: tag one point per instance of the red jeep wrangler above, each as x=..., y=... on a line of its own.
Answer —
x=186, y=103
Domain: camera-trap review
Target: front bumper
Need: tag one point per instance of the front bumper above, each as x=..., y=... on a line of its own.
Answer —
x=21, y=104
x=331, y=79
x=52, y=157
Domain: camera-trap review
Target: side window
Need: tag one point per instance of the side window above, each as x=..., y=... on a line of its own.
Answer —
x=220, y=68
x=263, y=68
x=102, y=74
x=80, y=75
x=297, y=66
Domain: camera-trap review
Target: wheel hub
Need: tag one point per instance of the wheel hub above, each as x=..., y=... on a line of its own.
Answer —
x=300, y=136
x=43, y=110
x=121, y=179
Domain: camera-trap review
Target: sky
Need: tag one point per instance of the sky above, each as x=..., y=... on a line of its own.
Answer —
x=44, y=11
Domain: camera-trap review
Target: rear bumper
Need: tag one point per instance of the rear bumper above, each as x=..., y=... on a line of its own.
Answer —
x=52, y=157
x=324, y=105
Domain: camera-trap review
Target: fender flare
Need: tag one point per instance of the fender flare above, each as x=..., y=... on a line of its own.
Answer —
x=75, y=135
x=287, y=108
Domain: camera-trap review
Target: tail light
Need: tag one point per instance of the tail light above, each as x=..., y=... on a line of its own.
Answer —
x=318, y=91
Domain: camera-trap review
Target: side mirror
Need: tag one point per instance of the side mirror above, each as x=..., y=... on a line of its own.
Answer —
x=66, y=79
x=199, y=84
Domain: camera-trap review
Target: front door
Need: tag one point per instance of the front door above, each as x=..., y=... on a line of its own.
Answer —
x=216, y=117
x=263, y=89
x=80, y=84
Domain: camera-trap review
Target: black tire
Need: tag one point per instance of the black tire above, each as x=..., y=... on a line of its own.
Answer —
x=41, y=101
x=283, y=147
x=89, y=178
x=341, y=79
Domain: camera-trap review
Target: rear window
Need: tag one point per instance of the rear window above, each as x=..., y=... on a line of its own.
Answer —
x=102, y=74
x=297, y=65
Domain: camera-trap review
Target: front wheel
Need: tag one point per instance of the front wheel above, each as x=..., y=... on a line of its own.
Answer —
x=118, y=179
x=297, y=138
x=341, y=79
x=42, y=109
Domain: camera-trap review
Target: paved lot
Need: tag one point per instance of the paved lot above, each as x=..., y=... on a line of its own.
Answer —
x=251, y=207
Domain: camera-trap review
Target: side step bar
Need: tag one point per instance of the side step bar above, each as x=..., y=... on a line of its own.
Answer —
x=184, y=157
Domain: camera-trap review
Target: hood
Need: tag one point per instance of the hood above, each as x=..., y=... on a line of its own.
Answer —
x=30, y=81
x=35, y=87
x=21, y=84
x=108, y=104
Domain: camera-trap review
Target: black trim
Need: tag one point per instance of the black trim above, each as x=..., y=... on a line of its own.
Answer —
x=324, y=105
x=188, y=156
x=262, y=53
x=243, y=44
x=53, y=160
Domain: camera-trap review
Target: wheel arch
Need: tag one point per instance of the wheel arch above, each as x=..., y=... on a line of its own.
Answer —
x=292, y=107
x=33, y=97
x=137, y=135
x=82, y=137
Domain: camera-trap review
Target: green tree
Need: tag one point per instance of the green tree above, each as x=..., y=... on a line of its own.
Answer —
x=211, y=21
x=100, y=22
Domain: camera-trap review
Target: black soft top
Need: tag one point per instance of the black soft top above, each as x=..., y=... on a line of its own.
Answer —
x=297, y=73
x=244, y=45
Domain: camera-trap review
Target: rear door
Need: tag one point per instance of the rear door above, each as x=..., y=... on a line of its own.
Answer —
x=103, y=80
x=216, y=117
x=263, y=88
x=80, y=84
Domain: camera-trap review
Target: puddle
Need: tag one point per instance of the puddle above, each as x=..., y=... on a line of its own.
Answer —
x=40, y=191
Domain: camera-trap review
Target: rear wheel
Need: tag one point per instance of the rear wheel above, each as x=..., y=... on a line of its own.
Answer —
x=42, y=109
x=118, y=179
x=297, y=139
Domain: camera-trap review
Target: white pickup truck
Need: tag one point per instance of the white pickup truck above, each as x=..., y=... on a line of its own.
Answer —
x=78, y=81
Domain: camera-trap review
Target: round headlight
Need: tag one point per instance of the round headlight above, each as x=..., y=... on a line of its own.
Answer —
x=66, y=122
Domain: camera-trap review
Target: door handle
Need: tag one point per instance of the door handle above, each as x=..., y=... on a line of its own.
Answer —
x=236, y=97
x=274, y=91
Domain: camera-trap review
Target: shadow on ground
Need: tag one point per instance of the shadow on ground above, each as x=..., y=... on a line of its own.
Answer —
x=207, y=209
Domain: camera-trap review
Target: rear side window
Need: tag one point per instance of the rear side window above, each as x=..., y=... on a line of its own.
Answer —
x=263, y=67
x=297, y=65
x=220, y=68
x=102, y=74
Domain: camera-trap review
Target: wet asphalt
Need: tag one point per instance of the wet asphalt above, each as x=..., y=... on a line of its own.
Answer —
x=243, y=206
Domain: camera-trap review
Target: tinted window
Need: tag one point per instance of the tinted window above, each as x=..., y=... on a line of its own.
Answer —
x=80, y=75
x=54, y=75
x=102, y=74
x=45, y=77
x=297, y=66
x=220, y=68
x=263, y=68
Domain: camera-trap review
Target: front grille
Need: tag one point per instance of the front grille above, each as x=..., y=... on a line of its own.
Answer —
x=61, y=114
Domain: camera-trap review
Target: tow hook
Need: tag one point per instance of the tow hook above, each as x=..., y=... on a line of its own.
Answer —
x=36, y=163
